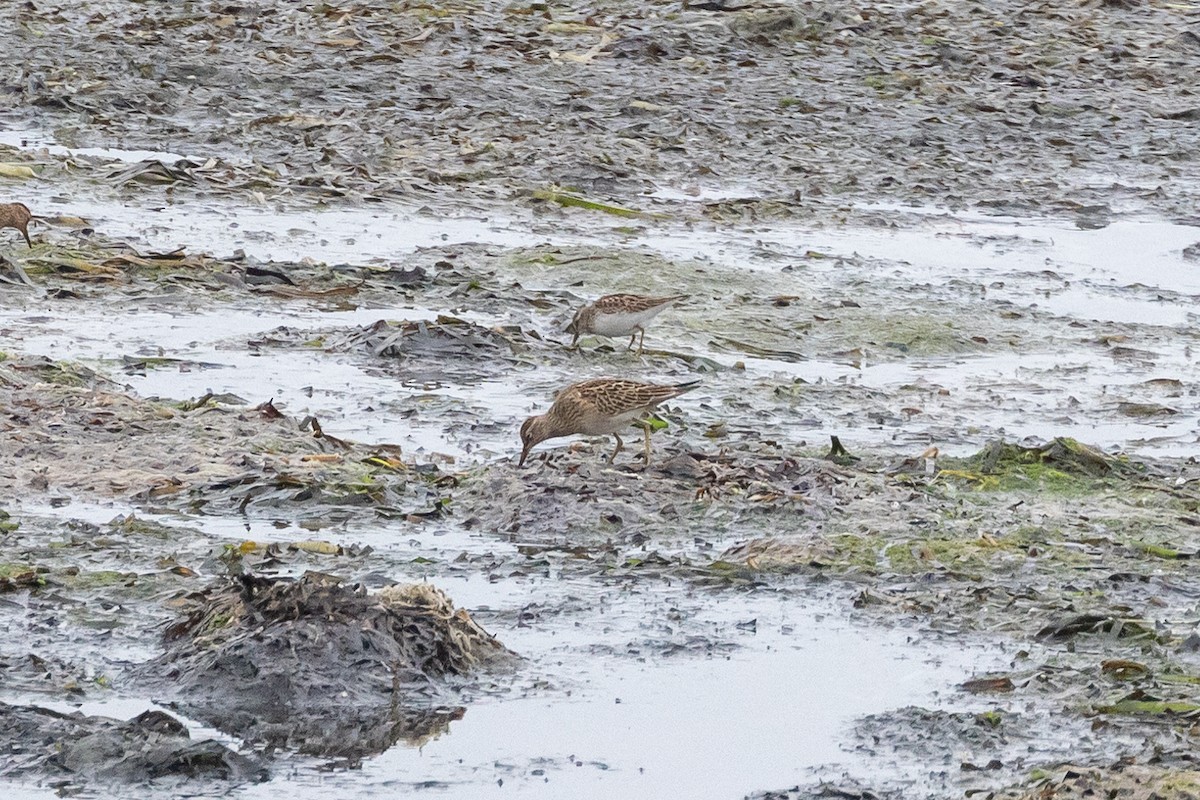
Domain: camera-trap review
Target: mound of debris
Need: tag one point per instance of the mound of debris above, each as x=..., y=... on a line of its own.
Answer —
x=318, y=666
x=75, y=750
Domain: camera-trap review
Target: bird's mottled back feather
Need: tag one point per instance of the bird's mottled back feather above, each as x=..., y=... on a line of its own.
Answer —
x=614, y=396
x=631, y=303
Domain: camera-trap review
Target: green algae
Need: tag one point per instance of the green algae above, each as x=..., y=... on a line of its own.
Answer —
x=98, y=579
x=1150, y=707
x=569, y=199
x=1158, y=551
x=15, y=573
x=990, y=719
x=134, y=525
x=920, y=555
x=1064, y=466
x=852, y=551
x=65, y=373
x=980, y=555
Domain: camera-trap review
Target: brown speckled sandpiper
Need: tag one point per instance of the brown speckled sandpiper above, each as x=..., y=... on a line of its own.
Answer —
x=619, y=315
x=16, y=215
x=597, y=408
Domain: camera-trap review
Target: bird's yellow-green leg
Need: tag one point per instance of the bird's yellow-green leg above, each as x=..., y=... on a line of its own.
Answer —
x=620, y=447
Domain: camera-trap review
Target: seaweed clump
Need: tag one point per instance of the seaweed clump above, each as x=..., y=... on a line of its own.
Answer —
x=1062, y=465
x=320, y=666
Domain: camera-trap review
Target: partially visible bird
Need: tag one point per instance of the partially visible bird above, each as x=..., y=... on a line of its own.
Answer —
x=16, y=215
x=619, y=315
x=596, y=408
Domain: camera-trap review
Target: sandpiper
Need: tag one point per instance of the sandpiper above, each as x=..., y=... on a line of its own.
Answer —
x=596, y=408
x=619, y=315
x=16, y=215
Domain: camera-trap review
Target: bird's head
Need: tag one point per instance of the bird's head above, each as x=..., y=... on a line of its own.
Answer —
x=533, y=430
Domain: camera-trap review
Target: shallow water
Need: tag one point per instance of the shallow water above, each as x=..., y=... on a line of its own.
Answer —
x=612, y=716
x=767, y=715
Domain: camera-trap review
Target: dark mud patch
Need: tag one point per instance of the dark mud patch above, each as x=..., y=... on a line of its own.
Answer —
x=841, y=790
x=421, y=353
x=971, y=534
x=319, y=666
x=75, y=752
x=574, y=494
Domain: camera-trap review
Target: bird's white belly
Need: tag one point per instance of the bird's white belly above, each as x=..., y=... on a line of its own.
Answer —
x=622, y=324
x=600, y=427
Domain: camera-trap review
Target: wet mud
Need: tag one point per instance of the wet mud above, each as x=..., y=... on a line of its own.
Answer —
x=1046, y=108
x=1056, y=546
x=926, y=527
x=73, y=751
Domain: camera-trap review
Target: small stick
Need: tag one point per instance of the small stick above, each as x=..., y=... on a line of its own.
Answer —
x=837, y=453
